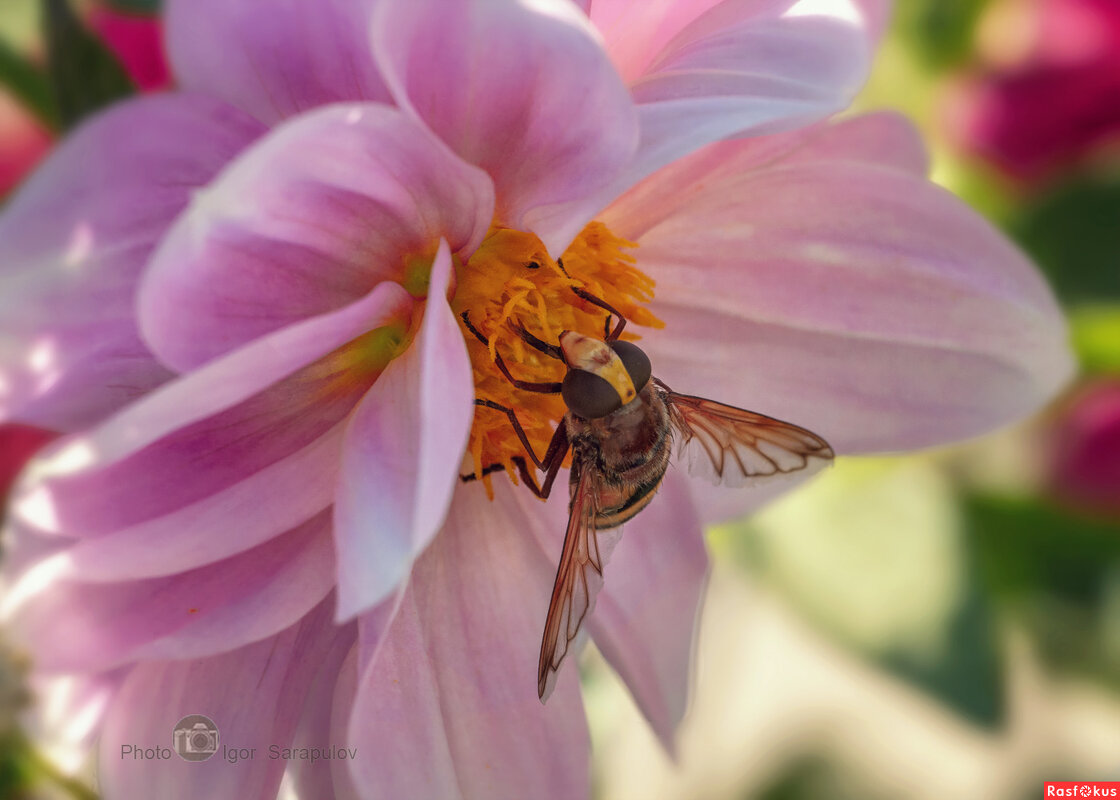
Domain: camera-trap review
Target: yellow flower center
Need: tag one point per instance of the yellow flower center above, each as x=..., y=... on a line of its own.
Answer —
x=512, y=282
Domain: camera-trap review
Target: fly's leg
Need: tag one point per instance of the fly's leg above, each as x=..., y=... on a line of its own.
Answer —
x=550, y=464
x=551, y=350
x=516, y=428
x=540, y=387
x=608, y=334
x=611, y=310
x=553, y=458
x=485, y=471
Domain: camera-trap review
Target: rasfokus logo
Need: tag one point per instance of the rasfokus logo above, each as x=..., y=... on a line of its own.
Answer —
x=1081, y=789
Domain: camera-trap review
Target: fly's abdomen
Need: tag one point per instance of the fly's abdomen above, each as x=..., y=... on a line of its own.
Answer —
x=638, y=499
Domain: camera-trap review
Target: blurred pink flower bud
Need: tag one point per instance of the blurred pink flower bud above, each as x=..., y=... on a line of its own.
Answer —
x=1085, y=466
x=17, y=444
x=23, y=141
x=1055, y=102
x=136, y=40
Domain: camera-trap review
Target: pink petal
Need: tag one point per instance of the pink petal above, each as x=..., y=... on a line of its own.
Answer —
x=703, y=72
x=310, y=219
x=876, y=14
x=274, y=673
x=315, y=779
x=645, y=615
x=341, y=709
x=71, y=625
x=452, y=685
x=734, y=73
x=274, y=58
x=401, y=457
x=884, y=139
x=192, y=441
x=635, y=32
x=859, y=301
x=651, y=41
x=523, y=90
x=251, y=511
x=73, y=241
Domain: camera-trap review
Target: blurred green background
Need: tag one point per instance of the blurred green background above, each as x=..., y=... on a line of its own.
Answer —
x=938, y=625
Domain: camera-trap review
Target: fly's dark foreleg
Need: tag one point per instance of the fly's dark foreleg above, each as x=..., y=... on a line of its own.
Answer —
x=540, y=387
x=516, y=429
x=549, y=465
x=595, y=301
x=540, y=345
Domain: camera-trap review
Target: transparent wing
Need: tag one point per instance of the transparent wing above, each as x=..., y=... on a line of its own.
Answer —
x=734, y=447
x=578, y=579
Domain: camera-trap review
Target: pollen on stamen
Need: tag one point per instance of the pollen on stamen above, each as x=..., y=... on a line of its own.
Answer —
x=511, y=281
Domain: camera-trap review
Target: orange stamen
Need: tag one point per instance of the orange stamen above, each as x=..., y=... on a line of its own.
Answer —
x=512, y=280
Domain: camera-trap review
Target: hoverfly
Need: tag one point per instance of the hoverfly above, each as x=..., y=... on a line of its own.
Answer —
x=620, y=426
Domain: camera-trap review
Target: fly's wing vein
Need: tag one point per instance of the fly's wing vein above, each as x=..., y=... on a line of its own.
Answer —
x=735, y=447
x=578, y=580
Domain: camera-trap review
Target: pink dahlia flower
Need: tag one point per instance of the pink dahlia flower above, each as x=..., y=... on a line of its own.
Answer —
x=245, y=301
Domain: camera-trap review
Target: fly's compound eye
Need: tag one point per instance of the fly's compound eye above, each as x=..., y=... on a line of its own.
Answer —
x=635, y=361
x=588, y=395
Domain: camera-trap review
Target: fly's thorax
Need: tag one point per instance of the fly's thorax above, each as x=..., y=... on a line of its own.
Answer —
x=628, y=439
x=629, y=449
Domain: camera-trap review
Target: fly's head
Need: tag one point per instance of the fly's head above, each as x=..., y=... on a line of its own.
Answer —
x=602, y=376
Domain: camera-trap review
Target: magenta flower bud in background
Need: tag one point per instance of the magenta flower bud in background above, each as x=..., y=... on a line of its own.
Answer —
x=17, y=444
x=23, y=141
x=1055, y=101
x=1084, y=468
x=137, y=41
